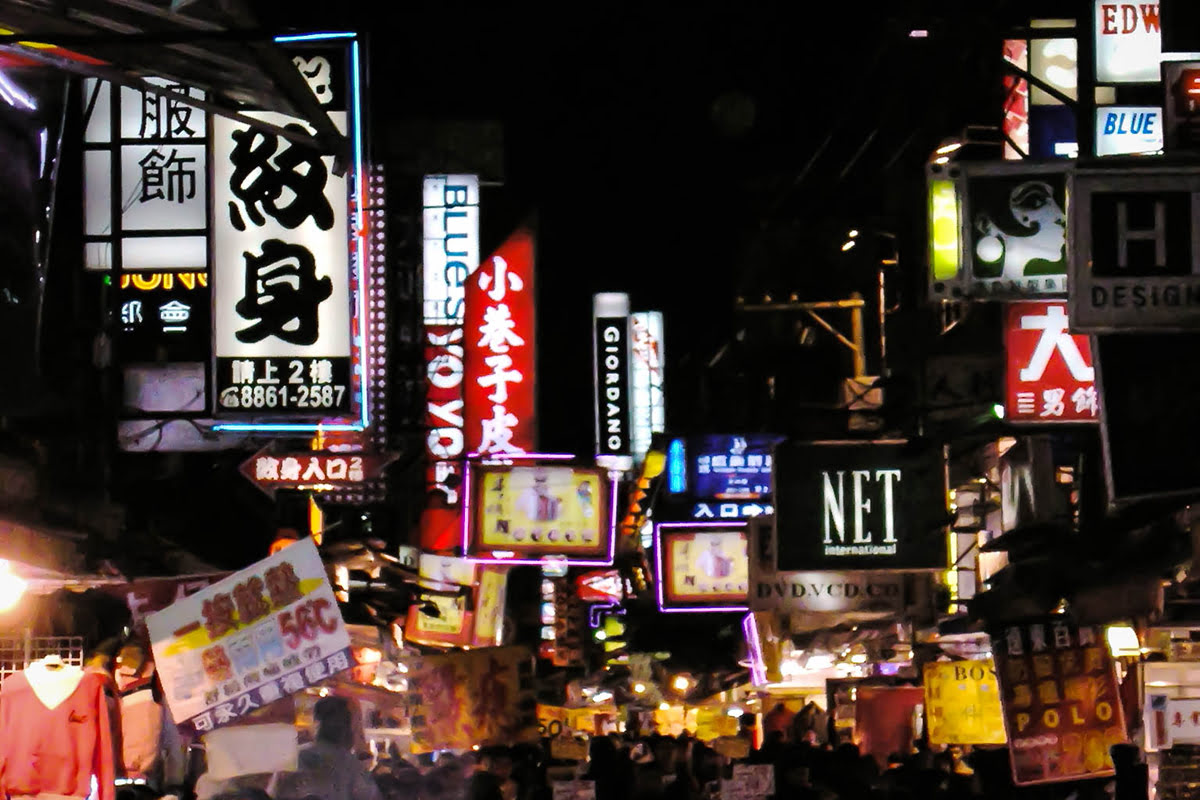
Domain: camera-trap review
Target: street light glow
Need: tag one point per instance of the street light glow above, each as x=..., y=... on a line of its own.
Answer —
x=11, y=587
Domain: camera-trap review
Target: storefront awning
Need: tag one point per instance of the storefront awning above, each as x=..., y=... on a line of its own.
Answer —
x=216, y=46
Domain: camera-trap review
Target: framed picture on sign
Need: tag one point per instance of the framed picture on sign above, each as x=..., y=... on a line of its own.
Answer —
x=703, y=567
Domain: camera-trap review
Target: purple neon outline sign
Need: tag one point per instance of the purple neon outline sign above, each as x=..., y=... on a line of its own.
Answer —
x=758, y=665
x=468, y=502
x=661, y=578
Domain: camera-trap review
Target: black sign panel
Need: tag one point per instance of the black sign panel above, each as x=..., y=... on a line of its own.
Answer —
x=169, y=322
x=613, y=412
x=850, y=505
x=261, y=385
x=1149, y=384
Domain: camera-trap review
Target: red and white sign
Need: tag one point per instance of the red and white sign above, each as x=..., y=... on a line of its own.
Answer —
x=1050, y=372
x=322, y=470
x=1128, y=42
x=499, y=360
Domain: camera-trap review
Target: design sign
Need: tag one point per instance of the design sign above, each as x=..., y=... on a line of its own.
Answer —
x=1050, y=373
x=281, y=261
x=1135, y=263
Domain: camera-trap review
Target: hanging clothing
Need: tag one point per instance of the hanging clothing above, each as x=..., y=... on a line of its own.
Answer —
x=56, y=734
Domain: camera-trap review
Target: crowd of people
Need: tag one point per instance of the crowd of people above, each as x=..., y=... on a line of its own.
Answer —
x=655, y=767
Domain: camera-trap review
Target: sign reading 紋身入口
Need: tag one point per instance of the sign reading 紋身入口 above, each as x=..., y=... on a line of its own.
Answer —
x=263, y=633
x=1135, y=263
x=281, y=260
x=1050, y=372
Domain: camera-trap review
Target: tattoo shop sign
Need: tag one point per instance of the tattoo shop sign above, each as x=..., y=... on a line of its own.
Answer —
x=320, y=471
x=261, y=634
x=281, y=262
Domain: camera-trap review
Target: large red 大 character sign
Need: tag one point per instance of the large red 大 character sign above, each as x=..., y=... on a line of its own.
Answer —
x=499, y=360
x=1050, y=373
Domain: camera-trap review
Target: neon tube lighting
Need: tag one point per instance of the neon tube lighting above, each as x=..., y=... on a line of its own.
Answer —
x=361, y=271
x=758, y=666
x=661, y=580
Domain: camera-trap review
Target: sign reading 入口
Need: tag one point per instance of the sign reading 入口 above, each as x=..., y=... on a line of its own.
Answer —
x=1050, y=372
x=854, y=505
x=1136, y=260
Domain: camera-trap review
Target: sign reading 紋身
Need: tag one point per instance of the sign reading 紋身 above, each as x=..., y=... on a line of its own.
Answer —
x=1062, y=709
x=263, y=633
x=962, y=703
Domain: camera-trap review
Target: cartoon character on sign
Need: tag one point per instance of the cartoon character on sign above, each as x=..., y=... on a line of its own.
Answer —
x=713, y=562
x=537, y=503
x=1031, y=241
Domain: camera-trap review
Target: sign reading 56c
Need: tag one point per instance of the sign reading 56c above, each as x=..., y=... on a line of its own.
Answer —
x=308, y=621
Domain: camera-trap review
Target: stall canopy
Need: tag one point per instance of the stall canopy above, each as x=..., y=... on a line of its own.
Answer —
x=215, y=45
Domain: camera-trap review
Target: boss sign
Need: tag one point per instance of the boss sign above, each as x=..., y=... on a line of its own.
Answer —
x=1050, y=377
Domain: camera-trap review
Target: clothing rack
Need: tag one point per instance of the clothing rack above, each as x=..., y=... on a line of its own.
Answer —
x=17, y=652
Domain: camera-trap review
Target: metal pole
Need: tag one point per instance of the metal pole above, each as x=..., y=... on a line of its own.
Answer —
x=857, y=336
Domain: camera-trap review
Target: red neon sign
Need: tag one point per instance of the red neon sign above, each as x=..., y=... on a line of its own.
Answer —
x=1050, y=371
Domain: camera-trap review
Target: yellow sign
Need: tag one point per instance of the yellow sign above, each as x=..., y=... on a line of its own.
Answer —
x=943, y=229
x=713, y=723
x=462, y=699
x=489, y=607
x=542, y=510
x=962, y=703
x=706, y=566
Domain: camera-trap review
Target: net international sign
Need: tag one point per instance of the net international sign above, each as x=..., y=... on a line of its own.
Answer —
x=1135, y=259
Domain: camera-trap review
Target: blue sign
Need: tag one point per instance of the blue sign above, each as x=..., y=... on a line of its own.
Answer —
x=730, y=510
x=730, y=467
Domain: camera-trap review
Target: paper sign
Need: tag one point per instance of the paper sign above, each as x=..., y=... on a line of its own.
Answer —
x=574, y=790
x=758, y=779
x=962, y=703
x=263, y=633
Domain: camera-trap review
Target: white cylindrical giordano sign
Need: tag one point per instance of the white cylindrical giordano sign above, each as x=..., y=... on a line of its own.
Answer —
x=611, y=351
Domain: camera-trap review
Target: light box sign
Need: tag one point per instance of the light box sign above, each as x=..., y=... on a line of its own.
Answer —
x=520, y=514
x=1128, y=42
x=1129, y=130
x=731, y=467
x=1181, y=84
x=164, y=316
x=647, y=386
x=1050, y=377
x=702, y=567
x=611, y=364
x=282, y=243
x=500, y=353
x=852, y=505
x=450, y=225
x=1012, y=230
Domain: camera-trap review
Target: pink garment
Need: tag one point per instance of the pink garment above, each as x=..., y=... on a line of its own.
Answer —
x=141, y=731
x=56, y=751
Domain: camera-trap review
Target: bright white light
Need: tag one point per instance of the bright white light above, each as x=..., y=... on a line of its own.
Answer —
x=601, y=635
x=639, y=688
x=948, y=148
x=1122, y=640
x=848, y=245
x=942, y=160
x=853, y=233
x=681, y=683
x=820, y=662
x=664, y=706
x=919, y=33
x=858, y=658
x=602, y=697
x=789, y=668
x=11, y=587
x=734, y=712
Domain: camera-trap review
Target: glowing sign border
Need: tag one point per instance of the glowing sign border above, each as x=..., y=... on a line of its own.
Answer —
x=660, y=580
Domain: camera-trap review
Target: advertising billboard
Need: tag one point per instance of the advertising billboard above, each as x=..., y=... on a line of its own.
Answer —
x=1050, y=377
x=499, y=345
x=1129, y=130
x=1011, y=234
x=1062, y=707
x=723, y=466
x=702, y=566
x=282, y=242
x=520, y=514
x=611, y=367
x=1128, y=42
x=962, y=703
x=860, y=505
x=647, y=389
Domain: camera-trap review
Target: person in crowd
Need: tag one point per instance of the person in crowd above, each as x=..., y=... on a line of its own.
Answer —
x=328, y=767
x=498, y=761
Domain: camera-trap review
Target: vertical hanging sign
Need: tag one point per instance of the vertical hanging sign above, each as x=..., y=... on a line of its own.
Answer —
x=499, y=350
x=610, y=360
x=647, y=388
x=281, y=260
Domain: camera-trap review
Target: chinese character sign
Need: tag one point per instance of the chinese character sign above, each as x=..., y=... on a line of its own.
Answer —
x=1050, y=372
x=704, y=565
x=647, y=395
x=542, y=510
x=281, y=262
x=500, y=353
x=260, y=634
x=962, y=703
x=1062, y=711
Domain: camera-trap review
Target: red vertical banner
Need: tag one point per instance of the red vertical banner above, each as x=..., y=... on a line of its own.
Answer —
x=499, y=360
x=1050, y=371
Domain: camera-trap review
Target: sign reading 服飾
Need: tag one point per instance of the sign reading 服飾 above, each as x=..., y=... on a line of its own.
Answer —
x=702, y=565
x=500, y=354
x=451, y=240
x=1135, y=264
x=261, y=634
x=610, y=356
x=534, y=511
x=962, y=703
x=856, y=505
x=1062, y=707
x=281, y=261
x=647, y=388
x=1128, y=42
x=1050, y=373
